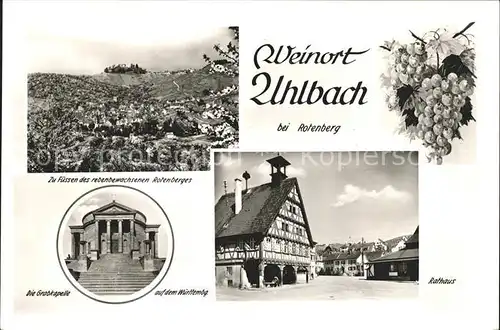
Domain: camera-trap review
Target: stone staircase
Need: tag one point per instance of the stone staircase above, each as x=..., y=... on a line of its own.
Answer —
x=115, y=274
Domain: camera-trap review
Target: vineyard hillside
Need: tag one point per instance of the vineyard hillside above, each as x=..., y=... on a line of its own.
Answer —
x=167, y=120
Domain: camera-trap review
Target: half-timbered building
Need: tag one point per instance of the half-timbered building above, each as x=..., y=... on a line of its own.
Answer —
x=262, y=234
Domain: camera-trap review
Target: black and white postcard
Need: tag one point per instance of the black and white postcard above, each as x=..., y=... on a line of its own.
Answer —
x=244, y=164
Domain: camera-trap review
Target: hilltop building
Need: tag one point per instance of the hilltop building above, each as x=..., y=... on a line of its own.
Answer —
x=262, y=233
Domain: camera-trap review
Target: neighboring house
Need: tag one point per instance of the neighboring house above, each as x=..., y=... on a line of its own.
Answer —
x=342, y=263
x=320, y=248
x=263, y=232
x=332, y=248
x=344, y=248
x=365, y=247
x=398, y=265
x=314, y=258
x=380, y=245
x=401, y=243
x=366, y=257
x=393, y=244
x=318, y=252
x=320, y=265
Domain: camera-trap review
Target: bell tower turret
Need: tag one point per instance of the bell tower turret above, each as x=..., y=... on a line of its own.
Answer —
x=278, y=170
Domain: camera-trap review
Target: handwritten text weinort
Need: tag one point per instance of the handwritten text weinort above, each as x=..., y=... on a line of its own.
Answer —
x=308, y=92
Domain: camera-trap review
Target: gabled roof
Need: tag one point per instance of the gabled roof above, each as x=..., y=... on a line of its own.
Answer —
x=393, y=242
x=332, y=247
x=119, y=206
x=373, y=255
x=342, y=256
x=359, y=246
x=401, y=255
x=320, y=248
x=260, y=207
x=414, y=238
x=115, y=208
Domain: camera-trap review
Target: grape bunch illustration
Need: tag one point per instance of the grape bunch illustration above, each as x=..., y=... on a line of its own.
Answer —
x=433, y=98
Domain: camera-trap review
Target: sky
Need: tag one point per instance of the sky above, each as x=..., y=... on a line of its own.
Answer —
x=347, y=196
x=89, y=51
x=127, y=197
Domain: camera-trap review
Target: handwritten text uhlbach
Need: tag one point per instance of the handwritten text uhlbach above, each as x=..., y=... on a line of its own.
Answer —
x=281, y=91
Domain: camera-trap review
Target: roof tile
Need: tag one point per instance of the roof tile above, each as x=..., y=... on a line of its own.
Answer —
x=260, y=206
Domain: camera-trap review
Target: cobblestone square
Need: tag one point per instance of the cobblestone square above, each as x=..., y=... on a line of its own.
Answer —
x=326, y=288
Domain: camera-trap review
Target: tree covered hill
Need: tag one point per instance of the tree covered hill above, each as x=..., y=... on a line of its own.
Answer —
x=173, y=84
x=167, y=120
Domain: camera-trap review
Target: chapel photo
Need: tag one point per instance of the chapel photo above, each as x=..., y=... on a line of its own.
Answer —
x=117, y=247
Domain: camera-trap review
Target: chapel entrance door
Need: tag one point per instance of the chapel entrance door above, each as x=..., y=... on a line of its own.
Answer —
x=114, y=237
x=114, y=245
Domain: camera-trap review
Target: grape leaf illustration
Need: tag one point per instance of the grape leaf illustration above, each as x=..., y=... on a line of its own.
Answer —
x=457, y=134
x=410, y=118
x=404, y=93
x=467, y=112
x=468, y=57
x=385, y=80
x=453, y=63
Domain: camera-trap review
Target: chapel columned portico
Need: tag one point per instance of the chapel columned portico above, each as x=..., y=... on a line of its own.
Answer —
x=114, y=229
